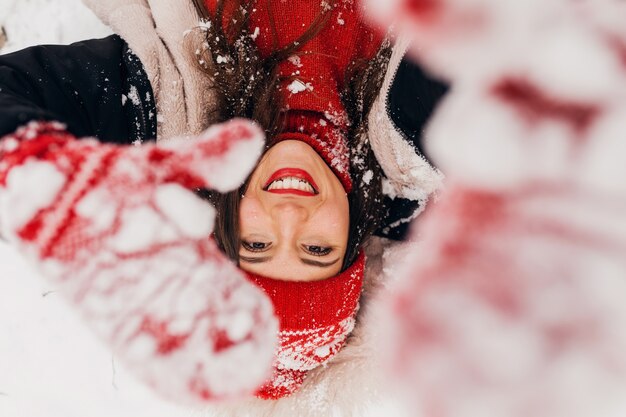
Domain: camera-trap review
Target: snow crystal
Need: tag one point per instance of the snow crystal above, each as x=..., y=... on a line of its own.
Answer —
x=367, y=177
x=204, y=24
x=133, y=95
x=298, y=86
x=295, y=60
x=326, y=6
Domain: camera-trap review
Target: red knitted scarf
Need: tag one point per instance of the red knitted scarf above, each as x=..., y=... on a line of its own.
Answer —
x=315, y=320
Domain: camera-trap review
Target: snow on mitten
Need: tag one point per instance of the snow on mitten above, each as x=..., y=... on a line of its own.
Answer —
x=514, y=303
x=119, y=232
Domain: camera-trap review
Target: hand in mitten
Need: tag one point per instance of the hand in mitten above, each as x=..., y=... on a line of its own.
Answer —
x=512, y=303
x=120, y=233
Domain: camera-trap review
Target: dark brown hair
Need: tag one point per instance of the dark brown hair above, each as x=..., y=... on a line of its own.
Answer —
x=247, y=87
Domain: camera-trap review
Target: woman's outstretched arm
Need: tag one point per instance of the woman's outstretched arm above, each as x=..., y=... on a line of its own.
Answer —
x=118, y=228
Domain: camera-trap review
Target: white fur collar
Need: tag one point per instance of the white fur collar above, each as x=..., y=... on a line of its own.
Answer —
x=408, y=173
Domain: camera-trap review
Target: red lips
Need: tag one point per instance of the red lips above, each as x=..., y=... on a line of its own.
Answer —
x=295, y=173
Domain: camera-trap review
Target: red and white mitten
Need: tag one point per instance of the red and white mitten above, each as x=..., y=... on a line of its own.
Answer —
x=512, y=304
x=120, y=233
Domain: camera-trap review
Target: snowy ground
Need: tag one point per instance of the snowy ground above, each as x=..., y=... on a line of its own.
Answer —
x=50, y=364
x=33, y=22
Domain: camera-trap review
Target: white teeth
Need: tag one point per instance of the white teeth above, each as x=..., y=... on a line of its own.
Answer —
x=291, y=183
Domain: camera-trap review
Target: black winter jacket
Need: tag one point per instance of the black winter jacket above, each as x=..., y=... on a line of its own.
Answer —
x=99, y=88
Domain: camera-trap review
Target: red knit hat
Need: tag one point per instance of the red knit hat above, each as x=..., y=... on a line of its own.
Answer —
x=314, y=77
x=316, y=318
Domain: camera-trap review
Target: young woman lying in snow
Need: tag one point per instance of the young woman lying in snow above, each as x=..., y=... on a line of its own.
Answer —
x=119, y=228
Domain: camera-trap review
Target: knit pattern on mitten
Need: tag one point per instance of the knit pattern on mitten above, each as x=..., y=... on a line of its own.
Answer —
x=120, y=233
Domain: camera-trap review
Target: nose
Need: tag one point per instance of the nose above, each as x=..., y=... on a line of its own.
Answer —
x=289, y=213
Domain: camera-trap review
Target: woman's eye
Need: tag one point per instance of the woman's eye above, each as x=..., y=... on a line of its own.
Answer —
x=318, y=250
x=255, y=246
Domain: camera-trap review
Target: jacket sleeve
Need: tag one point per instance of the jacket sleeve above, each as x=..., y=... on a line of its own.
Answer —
x=95, y=87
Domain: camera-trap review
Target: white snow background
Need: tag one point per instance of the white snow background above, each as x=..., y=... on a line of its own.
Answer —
x=51, y=364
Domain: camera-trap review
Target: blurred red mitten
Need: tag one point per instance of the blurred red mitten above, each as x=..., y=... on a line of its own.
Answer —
x=450, y=37
x=514, y=306
x=121, y=234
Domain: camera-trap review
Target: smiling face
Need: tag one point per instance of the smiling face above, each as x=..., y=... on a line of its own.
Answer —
x=294, y=216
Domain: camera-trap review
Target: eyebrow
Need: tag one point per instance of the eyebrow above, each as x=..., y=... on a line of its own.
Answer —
x=254, y=260
x=261, y=259
x=319, y=264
